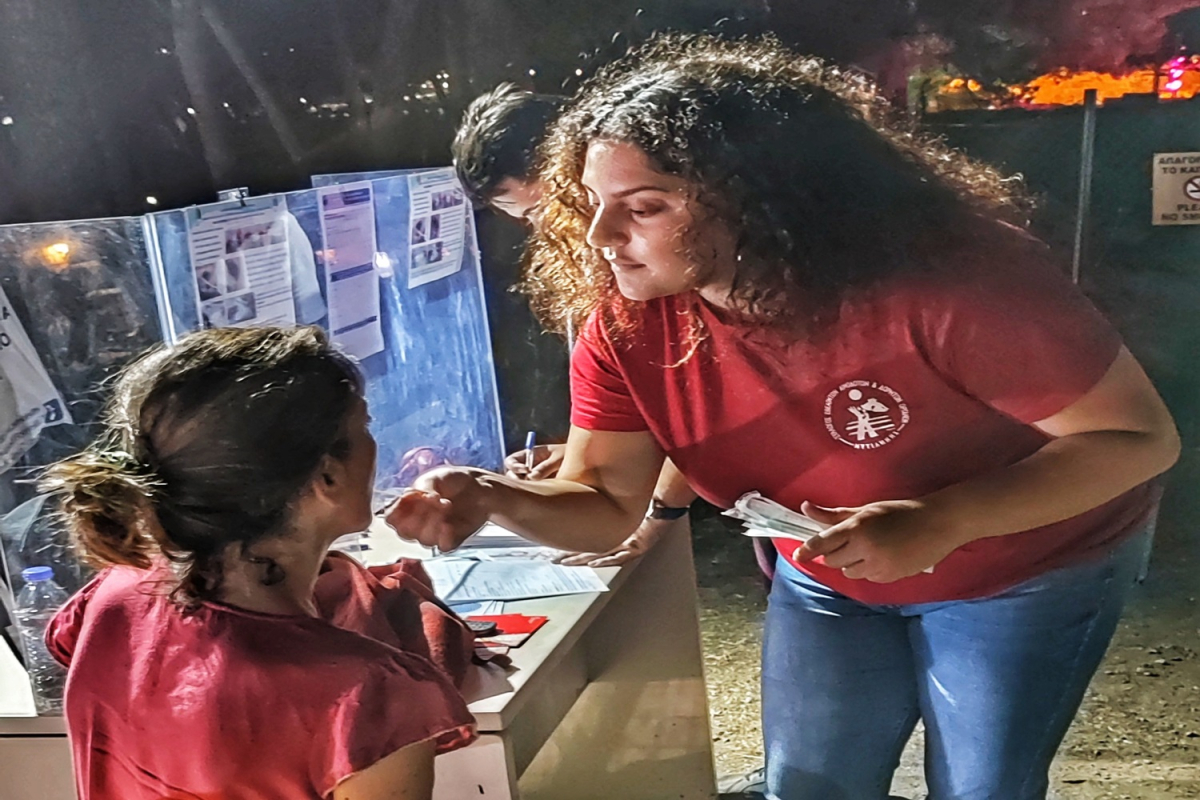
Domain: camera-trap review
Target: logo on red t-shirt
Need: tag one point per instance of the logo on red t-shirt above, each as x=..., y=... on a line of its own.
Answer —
x=864, y=414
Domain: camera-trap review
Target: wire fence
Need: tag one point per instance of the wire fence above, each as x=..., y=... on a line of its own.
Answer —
x=1144, y=276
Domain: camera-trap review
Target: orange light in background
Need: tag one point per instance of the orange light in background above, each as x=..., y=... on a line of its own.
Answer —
x=1178, y=79
x=1066, y=88
x=1189, y=87
x=1181, y=78
x=56, y=254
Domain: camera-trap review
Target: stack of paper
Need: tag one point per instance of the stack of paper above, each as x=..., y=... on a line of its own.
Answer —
x=527, y=552
x=492, y=535
x=492, y=541
x=469, y=607
x=461, y=578
x=351, y=543
x=765, y=517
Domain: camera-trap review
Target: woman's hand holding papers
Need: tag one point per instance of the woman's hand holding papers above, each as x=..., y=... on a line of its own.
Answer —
x=880, y=542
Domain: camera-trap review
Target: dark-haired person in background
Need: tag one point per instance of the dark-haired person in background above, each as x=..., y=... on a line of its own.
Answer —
x=786, y=289
x=223, y=651
x=496, y=144
x=496, y=152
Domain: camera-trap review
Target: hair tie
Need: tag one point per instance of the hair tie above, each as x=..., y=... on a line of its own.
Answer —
x=145, y=463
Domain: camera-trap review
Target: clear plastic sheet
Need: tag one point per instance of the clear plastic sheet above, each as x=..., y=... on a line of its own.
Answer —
x=432, y=391
x=84, y=295
x=94, y=294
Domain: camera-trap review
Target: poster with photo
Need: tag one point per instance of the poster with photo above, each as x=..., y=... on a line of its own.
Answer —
x=241, y=261
x=438, y=230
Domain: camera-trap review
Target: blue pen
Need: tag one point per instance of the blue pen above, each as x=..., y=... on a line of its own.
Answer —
x=530, y=443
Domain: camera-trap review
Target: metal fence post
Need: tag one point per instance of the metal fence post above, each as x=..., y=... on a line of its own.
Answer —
x=1086, y=163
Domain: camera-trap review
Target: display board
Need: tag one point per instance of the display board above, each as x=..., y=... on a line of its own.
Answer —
x=83, y=295
x=90, y=296
x=432, y=386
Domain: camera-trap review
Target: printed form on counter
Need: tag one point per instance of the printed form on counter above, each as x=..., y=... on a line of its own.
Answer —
x=463, y=579
x=242, y=263
x=352, y=285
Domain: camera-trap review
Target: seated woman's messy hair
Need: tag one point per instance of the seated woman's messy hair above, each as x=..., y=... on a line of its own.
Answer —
x=206, y=445
x=827, y=188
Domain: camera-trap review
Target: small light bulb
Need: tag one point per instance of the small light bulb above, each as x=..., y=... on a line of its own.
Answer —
x=383, y=265
x=56, y=254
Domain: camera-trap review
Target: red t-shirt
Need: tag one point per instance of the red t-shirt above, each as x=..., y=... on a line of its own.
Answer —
x=226, y=703
x=919, y=385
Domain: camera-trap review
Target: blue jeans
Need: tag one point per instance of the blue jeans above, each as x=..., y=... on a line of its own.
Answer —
x=997, y=681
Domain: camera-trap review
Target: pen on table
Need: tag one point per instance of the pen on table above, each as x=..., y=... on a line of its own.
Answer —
x=530, y=444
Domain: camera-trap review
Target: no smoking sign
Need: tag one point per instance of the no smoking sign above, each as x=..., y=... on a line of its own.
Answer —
x=1176, y=179
x=1192, y=188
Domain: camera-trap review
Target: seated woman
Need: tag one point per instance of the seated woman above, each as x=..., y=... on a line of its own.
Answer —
x=223, y=651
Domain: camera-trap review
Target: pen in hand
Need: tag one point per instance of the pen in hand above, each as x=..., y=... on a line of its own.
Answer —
x=530, y=444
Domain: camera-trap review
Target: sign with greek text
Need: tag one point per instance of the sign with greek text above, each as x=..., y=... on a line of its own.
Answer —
x=1177, y=189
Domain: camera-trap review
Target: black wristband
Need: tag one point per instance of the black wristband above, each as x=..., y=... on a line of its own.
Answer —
x=658, y=510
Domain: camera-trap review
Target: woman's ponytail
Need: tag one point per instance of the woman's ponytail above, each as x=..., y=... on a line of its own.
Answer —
x=106, y=502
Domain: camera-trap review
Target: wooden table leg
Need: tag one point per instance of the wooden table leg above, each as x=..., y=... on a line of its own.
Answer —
x=484, y=770
x=640, y=729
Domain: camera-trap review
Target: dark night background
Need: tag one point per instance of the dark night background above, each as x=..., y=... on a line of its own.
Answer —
x=106, y=104
x=110, y=102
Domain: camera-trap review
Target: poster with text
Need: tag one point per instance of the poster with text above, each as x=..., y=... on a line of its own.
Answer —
x=438, y=214
x=348, y=228
x=241, y=260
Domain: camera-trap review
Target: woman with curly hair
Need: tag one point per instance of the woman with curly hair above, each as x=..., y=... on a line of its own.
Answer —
x=786, y=290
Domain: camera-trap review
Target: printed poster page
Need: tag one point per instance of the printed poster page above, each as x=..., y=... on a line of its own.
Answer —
x=240, y=257
x=438, y=216
x=348, y=228
x=29, y=400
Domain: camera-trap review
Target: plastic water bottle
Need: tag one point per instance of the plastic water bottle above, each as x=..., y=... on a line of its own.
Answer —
x=35, y=607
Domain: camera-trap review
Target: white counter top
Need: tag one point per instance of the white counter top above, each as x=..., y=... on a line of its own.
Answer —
x=494, y=695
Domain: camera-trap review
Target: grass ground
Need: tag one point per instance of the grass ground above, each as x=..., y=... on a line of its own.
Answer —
x=1137, y=736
